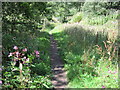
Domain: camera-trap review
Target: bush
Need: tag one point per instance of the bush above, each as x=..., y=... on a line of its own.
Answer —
x=32, y=77
x=41, y=68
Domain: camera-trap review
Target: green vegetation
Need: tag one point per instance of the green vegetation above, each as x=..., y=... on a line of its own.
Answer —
x=86, y=33
x=27, y=65
x=37, y=71
x=100, y=20
x=77, y=17
x=93, y=63
x=90, y=52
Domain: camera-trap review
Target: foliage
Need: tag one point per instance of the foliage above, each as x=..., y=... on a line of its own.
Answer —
x=87, y=52
x=100, y=8
x=18, y=73
x=99, y=13
x=41, y=68
x=33, y=42
x=100, y=20
x=87, y=59
x=77, y=17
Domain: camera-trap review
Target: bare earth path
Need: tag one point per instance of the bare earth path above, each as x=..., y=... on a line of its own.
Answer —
x=59, y=79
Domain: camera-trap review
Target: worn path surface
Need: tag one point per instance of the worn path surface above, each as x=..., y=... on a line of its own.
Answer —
x=59, y=79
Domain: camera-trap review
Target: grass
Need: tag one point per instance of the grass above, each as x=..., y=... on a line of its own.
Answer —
x=88, y=49
x=90, y=19
x=77, y=17
x=90, y=53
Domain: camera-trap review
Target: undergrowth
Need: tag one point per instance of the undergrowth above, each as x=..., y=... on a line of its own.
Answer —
x=90, y=56
x=36, y=74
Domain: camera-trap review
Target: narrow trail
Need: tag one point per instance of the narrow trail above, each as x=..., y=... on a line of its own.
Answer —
x=59, y=79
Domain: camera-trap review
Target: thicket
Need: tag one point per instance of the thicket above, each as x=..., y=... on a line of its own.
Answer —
x=25, y=59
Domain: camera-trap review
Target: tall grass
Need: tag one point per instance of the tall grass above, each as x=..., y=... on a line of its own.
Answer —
x=92, y=19
x=77, y=17
x=100, y=19
x=89, y=54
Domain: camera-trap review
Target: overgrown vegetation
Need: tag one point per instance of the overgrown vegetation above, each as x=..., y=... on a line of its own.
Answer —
x=86, y=33
x=27, y=65
x=90, y=52
x=35, y=74
x=92, y=61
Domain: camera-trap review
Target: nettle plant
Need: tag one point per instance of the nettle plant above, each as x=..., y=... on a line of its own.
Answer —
x=19, y=73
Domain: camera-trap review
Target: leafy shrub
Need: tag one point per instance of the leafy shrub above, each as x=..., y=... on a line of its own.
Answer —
x=18, y=72
x=40, y=82
x=11, y=73
x=41, y=68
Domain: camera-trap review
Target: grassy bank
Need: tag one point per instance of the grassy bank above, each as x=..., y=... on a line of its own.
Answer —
x=89, y=54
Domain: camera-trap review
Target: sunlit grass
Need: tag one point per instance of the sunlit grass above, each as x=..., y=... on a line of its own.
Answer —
x=88, y=65
x=57, y=29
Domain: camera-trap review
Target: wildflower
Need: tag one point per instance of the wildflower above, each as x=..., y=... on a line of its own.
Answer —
x=114, y=72
x=37, y=52
x=15, y=47
x=27, y=59
x=115, y=78
x=109, y=71
x=10, y=55
x=17, y=54
x=24, y=57
x=0, y=82
x=23, y=62
x=23, y=54
x=15, y=59
x=108, y=66
x=24, y=50
x=103, y=86
x=37, y=55
x=0, y=69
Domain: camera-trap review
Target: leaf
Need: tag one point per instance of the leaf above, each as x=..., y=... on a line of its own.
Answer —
x=29, y=81
x=32, y=86
x=37, y=81
x=45, y=85
x=33, y=65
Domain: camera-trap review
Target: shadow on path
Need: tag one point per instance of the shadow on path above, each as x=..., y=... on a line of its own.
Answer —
x=59, y=79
